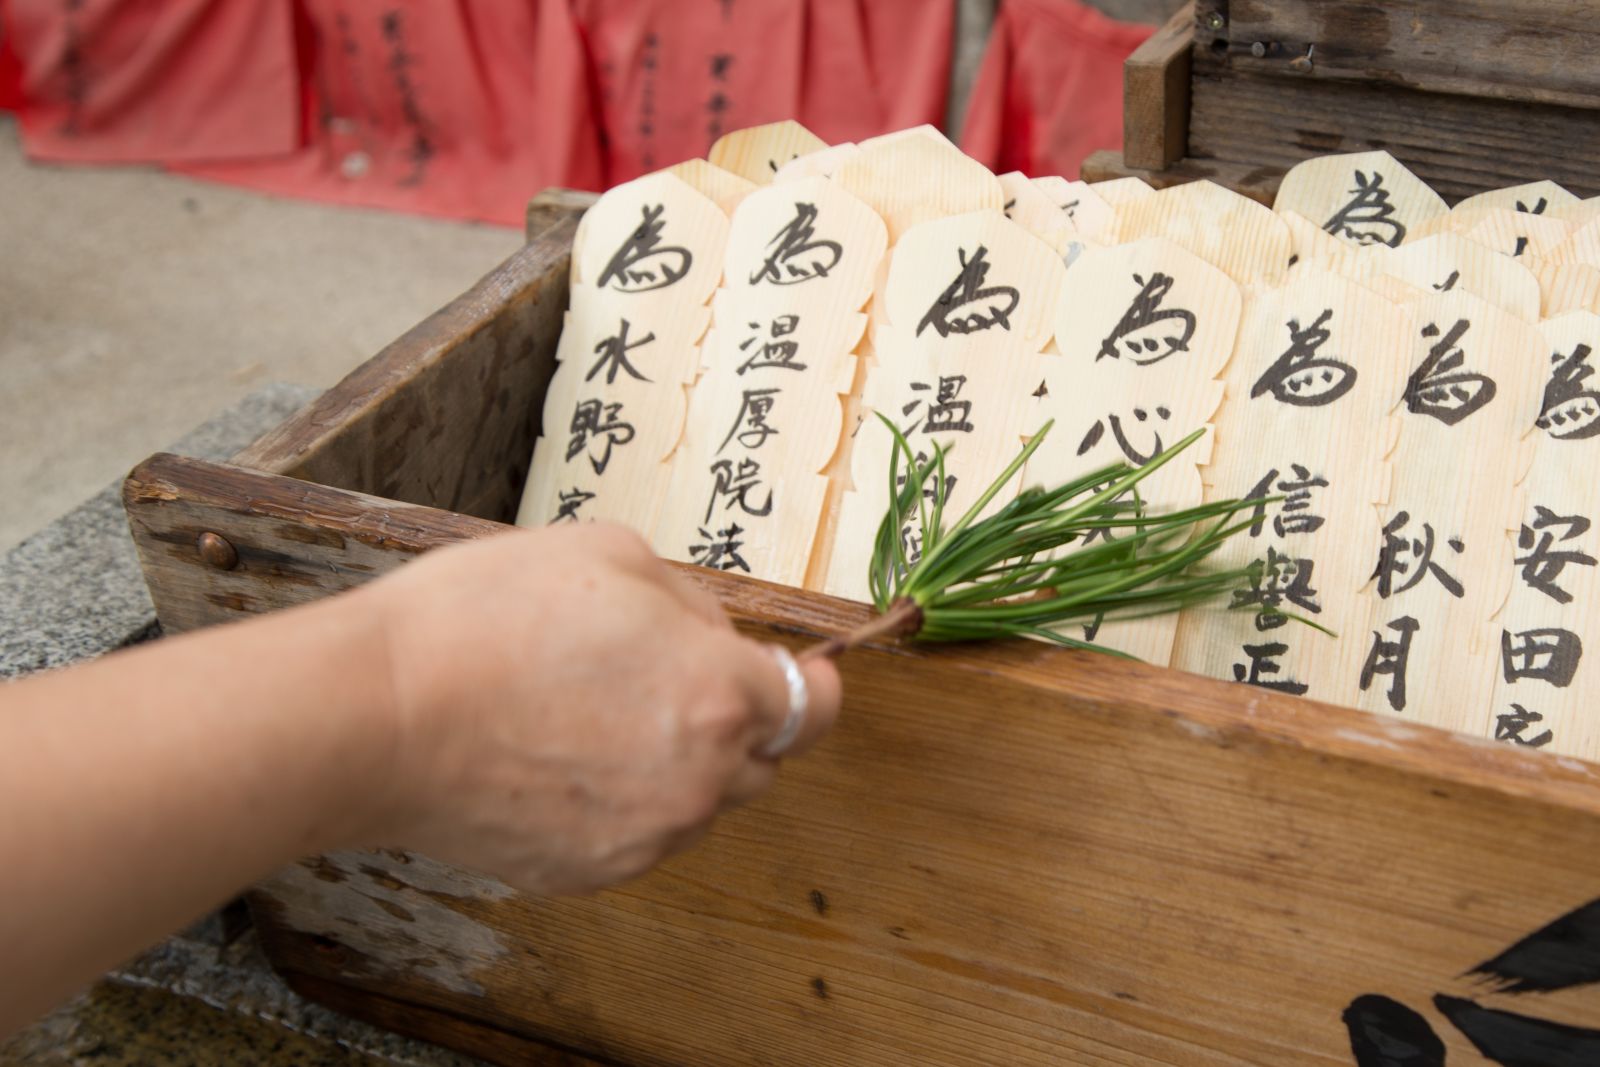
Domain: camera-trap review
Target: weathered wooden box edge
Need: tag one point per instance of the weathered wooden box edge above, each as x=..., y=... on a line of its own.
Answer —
x=1091, y=861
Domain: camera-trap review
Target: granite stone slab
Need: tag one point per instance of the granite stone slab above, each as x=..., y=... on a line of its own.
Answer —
x=74, y=590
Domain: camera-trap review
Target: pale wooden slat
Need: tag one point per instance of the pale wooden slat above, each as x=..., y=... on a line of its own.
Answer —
x=644, y=268
x=757, y=154
x=1144, y=330
x=1364, y=197
x=747, y=489
x=1537, y=198
x=1230, y=231
x=1309, y=415
x=1453, y=507
x=1555, y=592
x=970, y=303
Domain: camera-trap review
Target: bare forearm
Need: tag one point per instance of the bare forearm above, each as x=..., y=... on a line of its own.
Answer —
x=141, y=790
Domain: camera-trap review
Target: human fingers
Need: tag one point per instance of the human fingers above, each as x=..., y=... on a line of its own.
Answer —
x=794, y=703
x=825, y=694
x=752, y=779
x=697, y=600
x=634, y=556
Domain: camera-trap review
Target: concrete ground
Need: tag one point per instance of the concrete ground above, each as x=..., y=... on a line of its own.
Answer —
x=135, y=304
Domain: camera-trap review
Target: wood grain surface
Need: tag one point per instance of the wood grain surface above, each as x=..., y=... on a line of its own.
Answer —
x=1155, y=95
x=1006, y=853
x=1259, y=183
x=1458, y=145
x=1529, y=51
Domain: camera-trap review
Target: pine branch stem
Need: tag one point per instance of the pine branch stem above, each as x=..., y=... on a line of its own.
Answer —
x=903, y=619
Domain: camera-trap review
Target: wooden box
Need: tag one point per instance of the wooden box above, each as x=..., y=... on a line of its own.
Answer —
x=1471, y=95
x=1006, y=854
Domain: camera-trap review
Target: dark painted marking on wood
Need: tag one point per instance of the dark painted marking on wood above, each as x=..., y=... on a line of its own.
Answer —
x=1386, y=1033
x=1564, y=954
x=1513, y=1040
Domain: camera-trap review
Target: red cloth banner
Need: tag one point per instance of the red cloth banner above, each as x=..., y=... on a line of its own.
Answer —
x=1049, y=92
x=457, y=107
x=114, y=81
x=674, y=75
x=440, y=107
x=10, y=68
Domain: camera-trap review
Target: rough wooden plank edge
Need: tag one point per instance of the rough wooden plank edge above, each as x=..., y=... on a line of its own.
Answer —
x=1155, y=95
x=1258, y=183
x=1458, y=145
x=424, y=1023
x=1515, y=50
x=269, y=521
x=319, y=440
x=298, y=542
x=552, y=206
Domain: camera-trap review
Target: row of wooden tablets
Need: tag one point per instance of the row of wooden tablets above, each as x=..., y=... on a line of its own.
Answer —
x=1412, y=381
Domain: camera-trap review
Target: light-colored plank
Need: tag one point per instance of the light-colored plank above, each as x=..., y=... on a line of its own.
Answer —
x=721, y=187
x=1119, y=192
x=1362, y=197
x=970, y=304
x=1583, y=246
x=910, y=176
x=916, y=178
x=648, y=259
x=1144, y=330
x=1245, y=239
x=1091, y=214
x=1568, y=287
x=1579, y=214
x=1030, y=207
x=757, y=154
x=1544, y=688
x=1516, y=234
x=1537, y=198
x=1313, y=245
x=747, y=489
x=822, y=163
x=1308, y=415
x=1448, y=261
x=926, y=131
x=1440, y=569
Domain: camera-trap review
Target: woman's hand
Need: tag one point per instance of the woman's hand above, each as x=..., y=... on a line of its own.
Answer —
x=570, y=712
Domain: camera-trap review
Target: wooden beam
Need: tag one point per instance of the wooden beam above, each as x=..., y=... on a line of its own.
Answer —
x=1258, y=183
x=1531, y=51
x=1460, y=145
x=1155, y=95
x=1005, y=852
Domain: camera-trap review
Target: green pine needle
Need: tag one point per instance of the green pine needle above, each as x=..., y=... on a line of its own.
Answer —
x=1006, y=576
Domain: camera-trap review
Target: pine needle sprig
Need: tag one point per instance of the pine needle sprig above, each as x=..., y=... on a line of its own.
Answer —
x=1030, y=568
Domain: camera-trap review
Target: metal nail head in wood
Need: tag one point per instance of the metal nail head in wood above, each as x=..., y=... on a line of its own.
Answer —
x=215, y=550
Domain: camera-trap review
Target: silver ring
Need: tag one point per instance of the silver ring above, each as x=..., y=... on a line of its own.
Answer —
x=799, y=697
